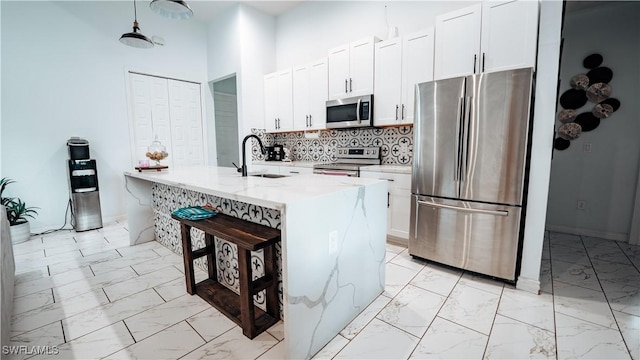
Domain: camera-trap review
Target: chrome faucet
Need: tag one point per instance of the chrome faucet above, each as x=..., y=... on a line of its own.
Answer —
x=243, y=168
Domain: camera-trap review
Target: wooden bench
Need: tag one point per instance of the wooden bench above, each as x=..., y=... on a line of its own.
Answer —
x=248, y=237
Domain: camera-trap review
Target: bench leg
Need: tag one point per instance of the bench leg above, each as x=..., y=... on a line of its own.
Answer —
x=246, y=299
x=209, y=242
x=272, y=291
x=187, y=256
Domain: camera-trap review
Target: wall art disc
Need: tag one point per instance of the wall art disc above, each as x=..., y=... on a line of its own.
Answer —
x=567, y=115
x=561, y=144
x=615, y=103
x=598, y=92
x=587, y=121
x=579, y=82
x=573, y=99
x=600, y=75
x=592, y=61
x=602, y=111
x=569, y=131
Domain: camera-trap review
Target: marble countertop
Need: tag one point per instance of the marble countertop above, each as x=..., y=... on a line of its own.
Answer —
x=267, y=192
x=400, y=169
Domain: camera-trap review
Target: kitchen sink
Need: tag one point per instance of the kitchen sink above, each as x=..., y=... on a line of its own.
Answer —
x=270, y=176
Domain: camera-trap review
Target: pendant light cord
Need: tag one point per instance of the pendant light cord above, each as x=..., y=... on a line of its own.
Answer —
x=135, y=11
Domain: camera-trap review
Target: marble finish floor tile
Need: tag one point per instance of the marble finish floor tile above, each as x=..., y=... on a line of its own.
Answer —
x=92, y=283
x=566, y=240
x=630, y=329
x=396, y=277
x=610, y=253
x=158, y=262
x=406, y=260
x=123, y=261
x=471, y=307
x=160, y=317
x=277, y=330
x=437, y=278
x=330, y=350
x=33, y=319
x=412, y=310
x=546, y=284
x=579, y=339
x=574, y=274
x=351, y=330
x=379, y=340
x=210, y=324
x=511, y=339
x=48, y=335
x=96, y=318
x=622, y=297
x=277, y=352
x=140, y=283
x=234, y=345
x=32, y=301
x=91, y=260
x=30, y=274
x=49, y=282
x=570, y=254
x=481, y=283
x=172, y=289
x=532, y=309
x=96, y=344
x=583, y=303
x=447, y=340
x=616, y=272
x=171, y=343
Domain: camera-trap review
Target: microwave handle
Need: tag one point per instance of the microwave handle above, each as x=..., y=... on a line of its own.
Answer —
x=358, y=111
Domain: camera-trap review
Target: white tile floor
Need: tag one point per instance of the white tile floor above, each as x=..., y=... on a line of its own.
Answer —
x=93, y=297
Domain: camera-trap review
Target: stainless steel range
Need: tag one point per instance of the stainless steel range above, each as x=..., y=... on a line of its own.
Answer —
x=349, y=161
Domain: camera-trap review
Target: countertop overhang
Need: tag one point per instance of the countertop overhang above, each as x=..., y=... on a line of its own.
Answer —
x=267, y=192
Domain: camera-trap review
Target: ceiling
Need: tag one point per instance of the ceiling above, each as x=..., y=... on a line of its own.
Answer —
x=208, y=10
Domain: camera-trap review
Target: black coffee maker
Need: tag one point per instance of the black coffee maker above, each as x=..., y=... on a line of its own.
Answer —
x=275, y=153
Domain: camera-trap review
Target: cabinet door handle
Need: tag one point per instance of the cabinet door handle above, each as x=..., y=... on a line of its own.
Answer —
x=388, y=199
x=350, y=85
x=306, y=121
x=483, y=63
x=402, y=111
x=346, y=90
x=294, y=172
x=396, y=112
x=310, y=120
x=275, y=123
x=475, y=59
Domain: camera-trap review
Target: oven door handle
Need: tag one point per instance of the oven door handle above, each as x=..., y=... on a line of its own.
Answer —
x=336, y=173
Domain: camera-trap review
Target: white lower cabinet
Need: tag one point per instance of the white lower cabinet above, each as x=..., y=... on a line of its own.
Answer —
x=399, y=201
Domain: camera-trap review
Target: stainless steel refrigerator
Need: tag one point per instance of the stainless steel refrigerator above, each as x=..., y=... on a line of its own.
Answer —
x=468, y=178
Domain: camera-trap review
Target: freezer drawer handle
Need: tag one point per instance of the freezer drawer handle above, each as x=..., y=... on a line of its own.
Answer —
x=479, y=211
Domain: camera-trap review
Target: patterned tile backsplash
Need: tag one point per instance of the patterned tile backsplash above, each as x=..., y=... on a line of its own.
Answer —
x=167, y=231
x=396, y=143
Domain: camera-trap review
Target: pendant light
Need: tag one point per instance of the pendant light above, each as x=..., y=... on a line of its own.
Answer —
x=174, y=9
x=135, y=38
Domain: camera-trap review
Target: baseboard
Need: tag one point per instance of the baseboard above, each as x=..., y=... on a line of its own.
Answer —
x=528, y=285
x=397, y=241
x=592, y=233
x=120, y=219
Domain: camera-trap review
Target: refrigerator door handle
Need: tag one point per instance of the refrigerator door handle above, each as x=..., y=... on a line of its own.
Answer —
x=469, y=210
x=456, y=165
x=466, y=138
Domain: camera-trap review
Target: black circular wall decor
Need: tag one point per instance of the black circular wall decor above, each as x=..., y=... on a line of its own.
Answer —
x=592, y=61
x=600, y=75
x=573, y=99
x=561, y=144
x=615, y=103
x=594, y=87
x=588, y=121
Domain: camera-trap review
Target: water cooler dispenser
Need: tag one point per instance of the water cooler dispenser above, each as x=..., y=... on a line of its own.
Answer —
x=83, y=184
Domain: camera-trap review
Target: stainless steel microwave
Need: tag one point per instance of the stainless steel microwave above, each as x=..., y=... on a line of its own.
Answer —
x=350, y=112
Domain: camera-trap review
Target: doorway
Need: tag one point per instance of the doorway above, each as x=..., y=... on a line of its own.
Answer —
x=225, y=103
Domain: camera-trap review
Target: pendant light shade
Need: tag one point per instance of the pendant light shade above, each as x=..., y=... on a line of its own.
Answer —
x=135, y=38
x=174, y=9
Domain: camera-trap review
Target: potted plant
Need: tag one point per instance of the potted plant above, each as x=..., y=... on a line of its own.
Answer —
x=17, y=214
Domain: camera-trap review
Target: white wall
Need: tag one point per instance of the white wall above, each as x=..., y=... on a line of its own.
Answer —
x=62, y=76
x=307, y=31
x=606, y=178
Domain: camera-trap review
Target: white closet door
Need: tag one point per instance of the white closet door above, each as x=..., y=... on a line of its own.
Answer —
x=186, y=123
x=160, y=116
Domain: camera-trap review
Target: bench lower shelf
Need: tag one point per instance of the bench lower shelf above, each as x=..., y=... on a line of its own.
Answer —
x=228, y=303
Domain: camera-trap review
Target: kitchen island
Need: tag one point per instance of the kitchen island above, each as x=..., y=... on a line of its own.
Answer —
x=333, y=230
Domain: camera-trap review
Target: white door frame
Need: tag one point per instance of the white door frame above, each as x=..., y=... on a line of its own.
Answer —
x=634, y=232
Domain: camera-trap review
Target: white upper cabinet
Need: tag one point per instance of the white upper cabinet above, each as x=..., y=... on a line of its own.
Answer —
x=492, y=36
x=457, y=42
x=351, y=69
x=401, y=63
x=278, y=101
x=509, y=34
x=310, y=90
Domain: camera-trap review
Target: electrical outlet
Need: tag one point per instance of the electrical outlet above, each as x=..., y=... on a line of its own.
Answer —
x=582, y=204
x=333, y=241
x=586, y=147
